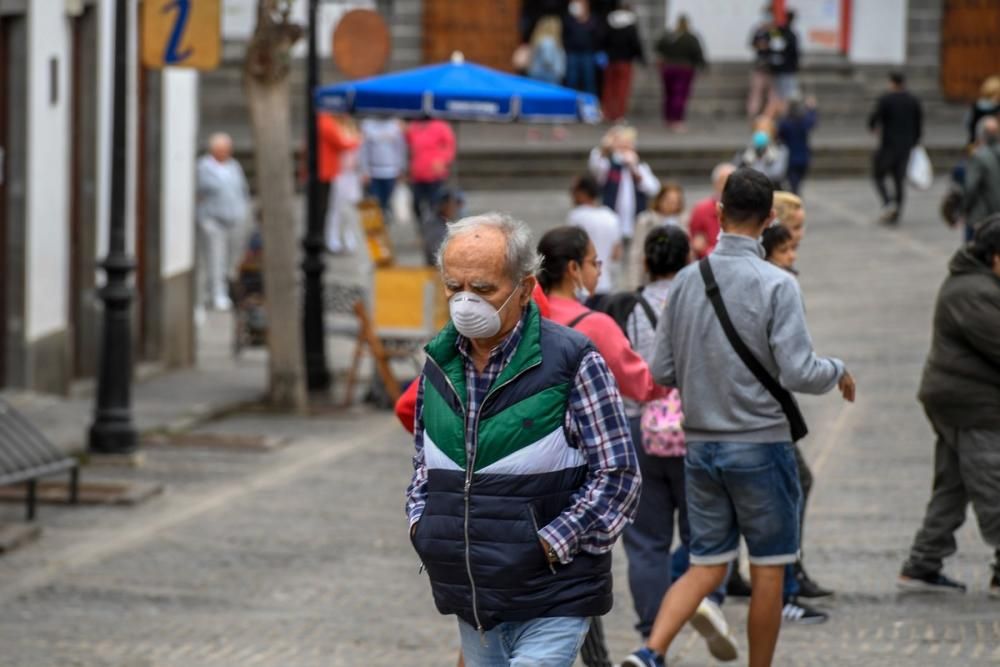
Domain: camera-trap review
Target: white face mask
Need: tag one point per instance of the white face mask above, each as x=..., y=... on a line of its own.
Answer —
x=576, y=9
x=474, y=316
x=581, y=293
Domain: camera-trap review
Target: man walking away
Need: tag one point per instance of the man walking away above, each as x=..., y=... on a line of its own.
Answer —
x=899, y=120
x=982, y=176
x=223, y=208
x=739, y=438
x=960, y=391
x=524, y=472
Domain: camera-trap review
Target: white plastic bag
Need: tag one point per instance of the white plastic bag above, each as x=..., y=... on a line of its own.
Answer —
x=919, y=170
x=401, y=203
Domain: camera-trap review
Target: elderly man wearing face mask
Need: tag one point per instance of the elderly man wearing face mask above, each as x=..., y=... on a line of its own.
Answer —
x=524, y=473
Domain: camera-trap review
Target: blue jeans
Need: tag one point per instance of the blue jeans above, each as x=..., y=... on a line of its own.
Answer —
x=581, y=71
x=543, y=642
x=381, y=189
x=748, y=489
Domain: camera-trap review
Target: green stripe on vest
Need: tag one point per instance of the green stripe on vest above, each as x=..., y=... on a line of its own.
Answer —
x=502, y=434
x=521, y=424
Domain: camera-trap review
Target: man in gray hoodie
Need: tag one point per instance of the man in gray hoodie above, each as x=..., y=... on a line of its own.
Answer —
x=740, y=457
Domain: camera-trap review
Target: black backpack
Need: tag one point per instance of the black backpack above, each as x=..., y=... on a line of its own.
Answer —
x=618, y=306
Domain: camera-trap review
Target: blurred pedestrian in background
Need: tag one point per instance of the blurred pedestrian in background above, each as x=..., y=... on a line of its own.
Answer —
x=447, y=209
x=784, y=60
x=548, y=58
x=981, y=197
x=222, y=213
x=898, y=119
x=988, y=104
x=794, y=130
x=335, y=139
x=764, y=154
x=704, y=225
x=665, y=210
x=582, y=38
x=960, y=392
x=761, y=95
x=791, y=214
x=342, y=218
x=626, y=182
x=432, y=151
x=622, y=45
x=601, y=225
x=383, y=159
x=680, y=54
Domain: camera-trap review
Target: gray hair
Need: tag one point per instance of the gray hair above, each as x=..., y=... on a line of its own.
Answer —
x=522, y=258
x=986, y=127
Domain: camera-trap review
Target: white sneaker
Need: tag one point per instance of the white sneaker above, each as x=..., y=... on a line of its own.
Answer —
x=711, y=624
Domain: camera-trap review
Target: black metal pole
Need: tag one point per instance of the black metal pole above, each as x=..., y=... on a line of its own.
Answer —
x=113, y=431
x=317, y=374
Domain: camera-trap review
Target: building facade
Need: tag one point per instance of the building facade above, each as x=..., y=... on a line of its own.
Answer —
x=55, y=130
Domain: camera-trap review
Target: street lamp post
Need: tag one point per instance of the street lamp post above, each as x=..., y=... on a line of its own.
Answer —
x=113, y=431
x=317, y=374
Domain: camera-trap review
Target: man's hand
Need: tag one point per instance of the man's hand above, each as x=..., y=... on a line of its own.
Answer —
x=847, y=387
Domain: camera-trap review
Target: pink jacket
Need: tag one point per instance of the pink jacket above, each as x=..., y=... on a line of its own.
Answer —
x=432, y=150
x=630, y=370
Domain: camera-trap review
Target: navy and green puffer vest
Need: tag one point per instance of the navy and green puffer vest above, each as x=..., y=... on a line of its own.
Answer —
x=486, y=500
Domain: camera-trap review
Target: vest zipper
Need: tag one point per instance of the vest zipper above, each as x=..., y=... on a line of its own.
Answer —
x=470, y=461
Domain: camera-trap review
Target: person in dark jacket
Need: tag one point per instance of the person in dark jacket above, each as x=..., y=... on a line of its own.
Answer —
x=988, y=104
x=793, y=131
x=899, y=120
x=960, y=392
x=621, y=43
x=981, y=183
x=784, y=59
x=524, y=469
x=680, y=55
x=582, y=39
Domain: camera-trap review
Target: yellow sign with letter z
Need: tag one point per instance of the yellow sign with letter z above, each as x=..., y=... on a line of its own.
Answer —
x=181, y=33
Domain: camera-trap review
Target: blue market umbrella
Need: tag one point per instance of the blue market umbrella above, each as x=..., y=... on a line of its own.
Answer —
x=459, y=91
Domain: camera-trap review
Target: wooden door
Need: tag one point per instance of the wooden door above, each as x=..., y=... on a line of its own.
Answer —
x=970, y=47
x=4, y=277
x=84, y=308
x=485, y=32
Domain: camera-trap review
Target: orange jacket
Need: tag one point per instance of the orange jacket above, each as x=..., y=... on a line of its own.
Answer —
x=333, y=140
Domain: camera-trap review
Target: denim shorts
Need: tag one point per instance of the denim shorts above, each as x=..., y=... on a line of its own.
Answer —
x=748, y=489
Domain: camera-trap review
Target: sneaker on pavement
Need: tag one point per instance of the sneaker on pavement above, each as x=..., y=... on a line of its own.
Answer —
x=644, y=657
x=796, y=612
x=711, y=624
x=889, y=214
x=995, y=586
x=808, y=588
x=929, y=583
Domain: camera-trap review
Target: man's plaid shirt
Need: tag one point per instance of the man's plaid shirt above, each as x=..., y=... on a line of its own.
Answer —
x=596, y=424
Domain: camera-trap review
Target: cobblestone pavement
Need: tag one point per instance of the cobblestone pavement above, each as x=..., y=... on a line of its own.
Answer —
x=299, y=557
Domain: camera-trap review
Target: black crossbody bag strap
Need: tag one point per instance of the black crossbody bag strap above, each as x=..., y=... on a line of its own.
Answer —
x=647, y=308
x=782, y=395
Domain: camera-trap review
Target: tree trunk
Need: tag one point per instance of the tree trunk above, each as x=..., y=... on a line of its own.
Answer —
x=268, y=97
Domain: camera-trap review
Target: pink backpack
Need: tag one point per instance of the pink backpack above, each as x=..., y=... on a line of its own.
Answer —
x=662, y=425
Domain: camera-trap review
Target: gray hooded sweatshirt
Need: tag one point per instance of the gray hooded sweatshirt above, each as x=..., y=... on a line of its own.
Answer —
x=723, y=401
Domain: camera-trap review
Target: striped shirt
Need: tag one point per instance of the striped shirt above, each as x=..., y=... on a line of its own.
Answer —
x=595, y=423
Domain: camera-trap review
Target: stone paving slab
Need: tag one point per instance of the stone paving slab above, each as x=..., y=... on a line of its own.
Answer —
x=299, y=556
